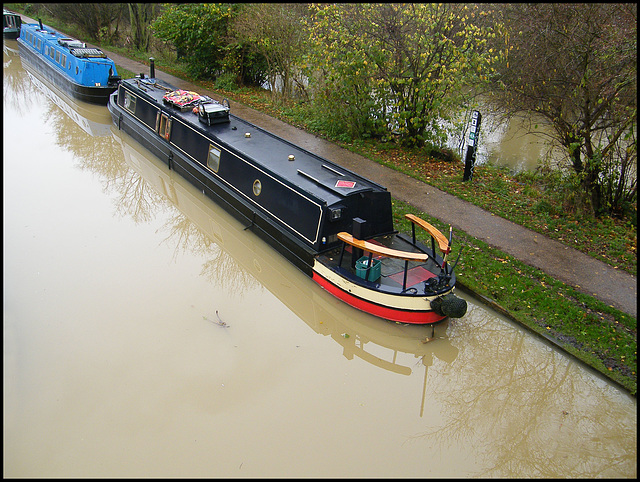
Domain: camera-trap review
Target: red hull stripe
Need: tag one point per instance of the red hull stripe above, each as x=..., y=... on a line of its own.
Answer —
x=402, y=316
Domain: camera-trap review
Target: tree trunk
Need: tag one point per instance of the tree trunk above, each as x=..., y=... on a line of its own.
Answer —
x=592, y=188
x=141, y=15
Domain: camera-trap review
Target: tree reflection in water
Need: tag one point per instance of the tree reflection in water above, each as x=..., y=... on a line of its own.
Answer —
x=219, y=268
x=531, y=398
x=17, y=91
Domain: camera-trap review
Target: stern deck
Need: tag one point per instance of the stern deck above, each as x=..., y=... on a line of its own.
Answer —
x=397, y=276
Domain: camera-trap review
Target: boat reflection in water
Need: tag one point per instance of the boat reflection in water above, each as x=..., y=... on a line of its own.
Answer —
x=359, y=334
x=95, y=122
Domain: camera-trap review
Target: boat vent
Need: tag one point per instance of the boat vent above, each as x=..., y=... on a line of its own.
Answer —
x=71, y=43
x=88, y=53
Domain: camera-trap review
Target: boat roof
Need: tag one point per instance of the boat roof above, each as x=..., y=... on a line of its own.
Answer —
x=322, y=178
x=75, y=47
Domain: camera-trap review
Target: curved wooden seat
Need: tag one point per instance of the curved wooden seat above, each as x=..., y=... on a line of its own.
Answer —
x=381, y=250
x=443, y=242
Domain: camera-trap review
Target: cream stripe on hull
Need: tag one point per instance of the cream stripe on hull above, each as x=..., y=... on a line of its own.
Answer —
x=399, y=302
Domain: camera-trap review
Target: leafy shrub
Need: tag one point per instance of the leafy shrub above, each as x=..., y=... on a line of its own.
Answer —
x=226, y=81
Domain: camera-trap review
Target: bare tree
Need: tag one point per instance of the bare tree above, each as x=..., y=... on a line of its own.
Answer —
x=141, y=15
x=575, y=64
x=99, y=21
x=275, y=31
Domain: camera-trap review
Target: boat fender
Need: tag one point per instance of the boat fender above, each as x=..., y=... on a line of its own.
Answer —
x=449, y=305
x=170, y=160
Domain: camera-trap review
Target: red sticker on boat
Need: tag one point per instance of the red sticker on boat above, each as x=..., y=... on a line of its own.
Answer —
x=349, y=184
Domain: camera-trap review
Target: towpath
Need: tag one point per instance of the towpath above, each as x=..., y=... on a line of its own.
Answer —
x=615, y=287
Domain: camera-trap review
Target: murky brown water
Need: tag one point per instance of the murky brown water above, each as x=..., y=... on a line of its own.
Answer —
x=512, y=143
x=116, y=275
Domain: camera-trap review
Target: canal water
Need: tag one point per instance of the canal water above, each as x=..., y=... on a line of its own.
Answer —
x=517, y=143
x=148, y=334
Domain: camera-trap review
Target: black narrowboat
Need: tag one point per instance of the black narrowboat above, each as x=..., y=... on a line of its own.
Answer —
x=333, y=224
x=374, y=341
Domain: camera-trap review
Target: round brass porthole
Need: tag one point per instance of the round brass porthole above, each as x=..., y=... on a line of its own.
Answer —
x=257, y=187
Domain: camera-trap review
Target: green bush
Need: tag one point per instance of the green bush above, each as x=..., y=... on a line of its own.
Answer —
x=226, y=82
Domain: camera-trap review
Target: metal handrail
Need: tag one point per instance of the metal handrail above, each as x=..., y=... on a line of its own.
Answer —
x=372, y=249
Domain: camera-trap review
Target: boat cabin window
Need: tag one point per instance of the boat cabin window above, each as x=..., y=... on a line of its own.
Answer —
x=163, y=125
x=63, y=60
x=57, y=56
x=213, y=160
x=129, y=100
x=52, y=52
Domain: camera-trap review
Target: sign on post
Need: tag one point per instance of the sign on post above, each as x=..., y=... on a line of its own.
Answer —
x=472, y=145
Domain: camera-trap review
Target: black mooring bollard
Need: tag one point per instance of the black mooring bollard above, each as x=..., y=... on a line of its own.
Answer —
x=472, y=146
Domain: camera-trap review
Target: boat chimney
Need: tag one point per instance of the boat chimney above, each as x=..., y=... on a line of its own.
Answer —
x=40, y=22
x=152, y=68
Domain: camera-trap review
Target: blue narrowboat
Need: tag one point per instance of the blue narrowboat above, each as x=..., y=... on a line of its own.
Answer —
x=333, y=224
x=11, y=23
x=86, y=74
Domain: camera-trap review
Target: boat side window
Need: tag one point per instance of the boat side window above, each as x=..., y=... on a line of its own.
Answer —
x=129, y=100
x=52, y=53
x=163, y=124
x=213, y=160
x=57, y=56
x=63, y=60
